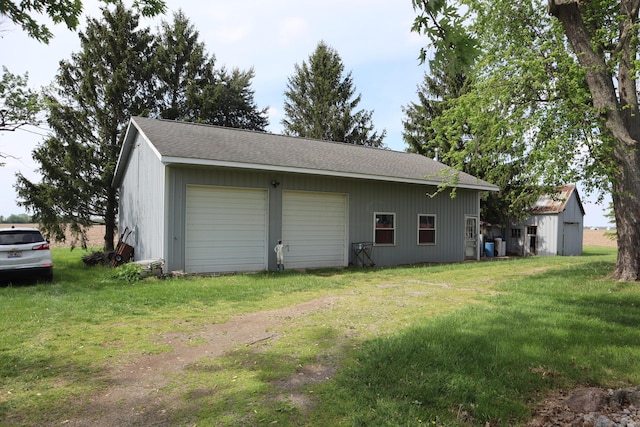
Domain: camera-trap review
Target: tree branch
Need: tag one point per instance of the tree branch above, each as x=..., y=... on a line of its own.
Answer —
x=598, y=77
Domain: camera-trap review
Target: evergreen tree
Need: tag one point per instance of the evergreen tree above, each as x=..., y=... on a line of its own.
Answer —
x=434, y=93
x=97, y=91
x=320, y=103
x=439, y=91
x=190, y=88
x=122, y=71
x=556, y=87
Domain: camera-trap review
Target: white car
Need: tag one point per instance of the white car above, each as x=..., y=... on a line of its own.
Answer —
x=24, y=252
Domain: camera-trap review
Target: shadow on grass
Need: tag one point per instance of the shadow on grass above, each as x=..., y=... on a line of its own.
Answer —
x=34, y=383
x=487, y=364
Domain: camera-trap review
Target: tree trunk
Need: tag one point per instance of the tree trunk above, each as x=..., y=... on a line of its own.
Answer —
x=626, y=207
x=110, y=219
x=619, y=113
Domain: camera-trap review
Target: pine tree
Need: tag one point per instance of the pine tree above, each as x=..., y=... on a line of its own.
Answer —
x=440, y=88
x=123, y=71
x=96, y=93
x=320, y=103
x=190, y=88
x=436, y=90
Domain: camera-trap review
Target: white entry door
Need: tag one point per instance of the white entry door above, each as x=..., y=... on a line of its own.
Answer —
x=471, y=238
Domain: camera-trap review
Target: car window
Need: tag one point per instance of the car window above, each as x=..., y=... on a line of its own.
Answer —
x=20, y=237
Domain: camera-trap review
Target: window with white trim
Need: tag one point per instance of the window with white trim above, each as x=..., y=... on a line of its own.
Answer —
x=384, y=228
x=426, y=229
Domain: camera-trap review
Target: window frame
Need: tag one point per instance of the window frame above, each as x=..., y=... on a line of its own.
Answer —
x=434, y=229
x=516, y=233
x=392, y=228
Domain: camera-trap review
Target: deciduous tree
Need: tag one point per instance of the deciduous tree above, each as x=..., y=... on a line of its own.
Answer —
x=60, y=11
x=555, y=87
x=320, y=102
x=19, y=105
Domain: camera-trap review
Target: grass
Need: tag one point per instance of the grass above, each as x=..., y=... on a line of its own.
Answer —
x=451, y=345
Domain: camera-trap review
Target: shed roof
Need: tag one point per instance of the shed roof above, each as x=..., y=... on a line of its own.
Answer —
x=184, y=143
x=556, y=202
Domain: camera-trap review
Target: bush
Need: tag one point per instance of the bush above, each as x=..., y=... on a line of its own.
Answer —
x=129, y=272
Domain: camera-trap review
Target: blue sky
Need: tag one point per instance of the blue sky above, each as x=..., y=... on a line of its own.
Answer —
x=372, y=37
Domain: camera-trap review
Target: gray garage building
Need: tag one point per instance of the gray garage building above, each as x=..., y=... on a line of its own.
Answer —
x=210, y=199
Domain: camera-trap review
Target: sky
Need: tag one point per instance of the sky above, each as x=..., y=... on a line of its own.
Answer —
x=372, y=37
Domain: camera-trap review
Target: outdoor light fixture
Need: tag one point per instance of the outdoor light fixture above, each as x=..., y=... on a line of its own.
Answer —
x=275, y=183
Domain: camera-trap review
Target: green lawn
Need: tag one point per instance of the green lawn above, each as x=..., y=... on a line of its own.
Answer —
x=458, y=344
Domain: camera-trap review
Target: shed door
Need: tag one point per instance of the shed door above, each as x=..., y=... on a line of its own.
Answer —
x=572, y=240
x=226, y=229
x=314, y=228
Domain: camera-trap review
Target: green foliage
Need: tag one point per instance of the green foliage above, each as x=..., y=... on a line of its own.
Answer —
x=528, y=118
x=97, y=91
x=128, y=272
x=16, y=219
x=555, y=94
x=456, y=344
x=444, y=24
x=190, y=88
x=320, y=103
x=19, y=105
x=61, y=11
x=123, y=70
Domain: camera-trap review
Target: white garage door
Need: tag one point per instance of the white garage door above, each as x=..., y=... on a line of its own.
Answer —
x=314, y=227
x=226, y=230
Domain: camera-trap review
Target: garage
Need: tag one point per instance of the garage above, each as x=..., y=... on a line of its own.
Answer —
x=226, y=229
x=314, y=228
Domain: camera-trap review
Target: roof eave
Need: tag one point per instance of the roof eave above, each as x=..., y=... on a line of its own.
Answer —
x=125, y=152
x=185, y=161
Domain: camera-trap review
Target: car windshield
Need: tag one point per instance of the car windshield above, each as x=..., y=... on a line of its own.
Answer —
x=18, y=237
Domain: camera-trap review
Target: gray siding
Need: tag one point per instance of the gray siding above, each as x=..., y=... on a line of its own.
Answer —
x=554, y=236
x=571, y=236
x=364, y=198
x=142, y=202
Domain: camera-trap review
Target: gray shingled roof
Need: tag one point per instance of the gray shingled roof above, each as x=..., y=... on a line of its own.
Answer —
x=189, y=143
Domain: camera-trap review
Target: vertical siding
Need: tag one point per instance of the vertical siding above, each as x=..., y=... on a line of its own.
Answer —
x=546, y=238
x=571, y=238
x=177, y=180
x=552, y=231
x=548, y=235
x=364, y=198
x=141, y=202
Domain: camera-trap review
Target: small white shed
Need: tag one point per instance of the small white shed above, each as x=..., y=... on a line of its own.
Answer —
x=554, y=228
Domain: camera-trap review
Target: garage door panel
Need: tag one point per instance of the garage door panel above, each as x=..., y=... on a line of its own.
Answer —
x=226, y=229
x=314, y=227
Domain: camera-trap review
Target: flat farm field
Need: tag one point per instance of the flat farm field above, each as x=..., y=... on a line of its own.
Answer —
x=95, y=237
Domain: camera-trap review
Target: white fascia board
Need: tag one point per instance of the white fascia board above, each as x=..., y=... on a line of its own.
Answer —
x=275, y=168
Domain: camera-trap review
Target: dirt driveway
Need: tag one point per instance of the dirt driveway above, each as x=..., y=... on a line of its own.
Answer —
x=133, y=397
